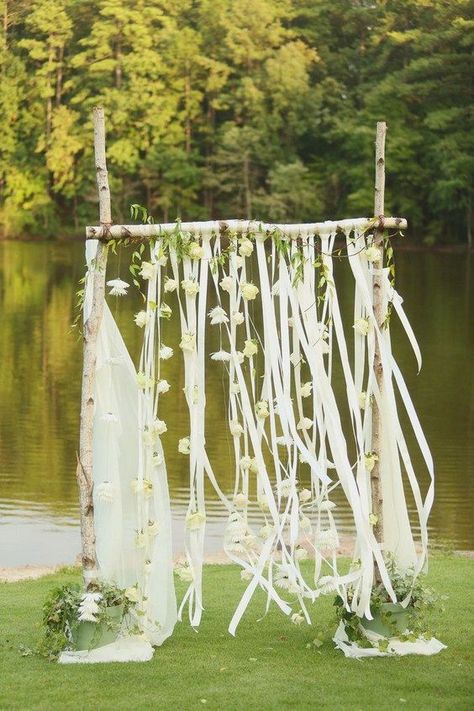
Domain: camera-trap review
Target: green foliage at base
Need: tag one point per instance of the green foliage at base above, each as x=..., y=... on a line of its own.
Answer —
x=270, y=664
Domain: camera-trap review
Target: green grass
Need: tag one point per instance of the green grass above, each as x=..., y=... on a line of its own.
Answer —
x=266, y=666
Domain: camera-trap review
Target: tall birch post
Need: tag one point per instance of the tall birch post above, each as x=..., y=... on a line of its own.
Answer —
x=378, y=309
x=90, y=332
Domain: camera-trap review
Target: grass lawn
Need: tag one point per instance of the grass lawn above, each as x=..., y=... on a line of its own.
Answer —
x=270, y=664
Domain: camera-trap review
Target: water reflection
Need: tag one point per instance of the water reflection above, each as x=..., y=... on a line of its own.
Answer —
x=40, y=381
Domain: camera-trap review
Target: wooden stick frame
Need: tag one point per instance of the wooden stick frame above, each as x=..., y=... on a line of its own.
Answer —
x=105, y=231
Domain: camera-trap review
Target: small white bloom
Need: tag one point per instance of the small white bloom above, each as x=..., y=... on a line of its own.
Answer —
x=188, y=342
x=236, y=428
x=249, y=291
x=162, y=386
x=285, y=487
x=148, y=567
x=246, y=575
x=291, y=322
x=373, y=519
x=184, y=445
x=276, y=289
x=304, y=424
x=158, y=427
x=305, y=495
x=295, y=358
x=153, y=528
x=140, y=540
x=362, y=326
x=237, y=318
x=157, y=459
x=261, y=409
x=226, y=283
x=250, y=349
x=141, y=318
x=285, y=579
x=217, y=316
x=184, y=572
x=301, y=554
x=297, y=618
x=195, y=521
x=221, y=356
x=196, y=251
x=144, y=381
x=253, y=466
x=326, y=505
x=148, y=270
x=327, y=539
x=170, y=285
x=305, y=523
x=119, y=287
x=165, y=352
x=246, y=247
x=240, y=357
x=373, y=254
x=284, y=441
x=266, y=531
x=105, y=492
x=369, y=461
x=165, y=311
x=239, y=262
x=234, y=388
x=190, y=287
x=240, y=501
x=306, y=389
x=362, y=400
x=132, y=594
x=262, y=502
x=245, y=462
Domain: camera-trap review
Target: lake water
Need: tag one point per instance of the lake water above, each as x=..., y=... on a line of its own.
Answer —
x=40, y=369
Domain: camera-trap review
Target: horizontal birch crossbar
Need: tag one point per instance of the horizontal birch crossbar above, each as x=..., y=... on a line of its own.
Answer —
x=107, y=232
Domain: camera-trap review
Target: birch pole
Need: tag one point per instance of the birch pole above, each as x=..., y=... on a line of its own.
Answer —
x=378, y=309
x=91, y=326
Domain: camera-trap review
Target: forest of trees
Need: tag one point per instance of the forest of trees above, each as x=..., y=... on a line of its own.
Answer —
x=237, y=108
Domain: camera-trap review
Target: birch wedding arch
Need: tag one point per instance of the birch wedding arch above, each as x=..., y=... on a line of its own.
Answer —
x=282, y=413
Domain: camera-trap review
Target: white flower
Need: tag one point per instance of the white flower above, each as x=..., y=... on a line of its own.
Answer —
x=237, y=318
x=195, y=520
x=196, y=251
x=153, y=528
x=141, y=318
x=221, y=356
x=240, y=357
x=140, y=540
x=304, y=424
x=373, y=254
x=236, y=428
x=297, y=618
x=362, y=400
x=162, y=386
x=253, y=466
x=262, y=502
x=109, y=417
x=165, y=311
x=250, y=541
x=327, y=539
x=266, y=531
x=245, y=462
x=250, y=349
x=89, y=607
x=145, y=486
x=226, y=283
x=285, y=579
x=295, y=358
x=362, y=326
x=240, y=501
x=158, y=427
x=105, y=492
x=246, y=247
x=148, y=270
x=217, y=316
x=132, y=594
x=369, y=461
x=190, y=287
x=326, y=584
x=165, y=352
x=157, y=459
x=239, y=262
x=301, y=554
x=291, y=322
x=326, y=505
x=284, y=441
x=144, y=381
x=373, y=519
x=162, y=260
x=305, y=523
x=285, y=487
x=246, y=575
x=119, y=287
x=261, y=409
x=234, y=388
x=184, y=445
x=249, y=291
x=148, y=566
x=184, y=572
x=305, y=390
x=188, y=342
x=276, y=289
x=305, y=495
x=170, y=284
